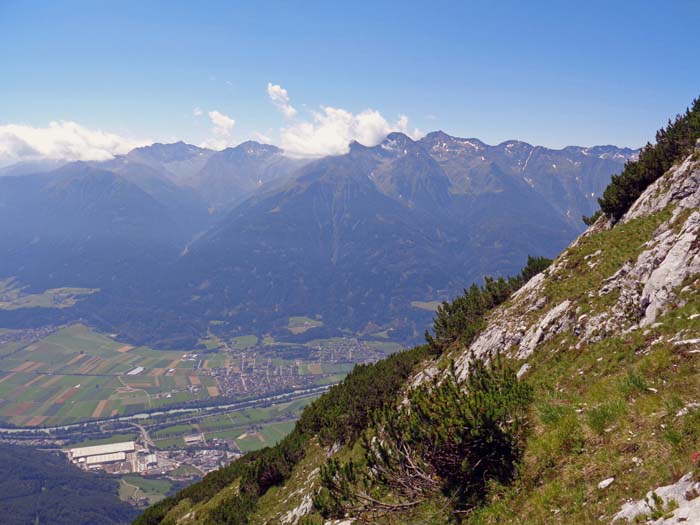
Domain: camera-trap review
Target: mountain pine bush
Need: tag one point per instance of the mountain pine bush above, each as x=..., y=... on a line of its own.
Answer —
x=452, y=438
x=673, y=143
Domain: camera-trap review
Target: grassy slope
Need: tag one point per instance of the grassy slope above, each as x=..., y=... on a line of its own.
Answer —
x=606, y=409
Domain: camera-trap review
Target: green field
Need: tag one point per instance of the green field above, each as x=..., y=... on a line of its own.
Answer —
x=244, y=341
x=185, y=471
x=251, y=429
x=299, y=325
x=116, y=438
x=77, y=373
x=135, y=486
x=13, y=297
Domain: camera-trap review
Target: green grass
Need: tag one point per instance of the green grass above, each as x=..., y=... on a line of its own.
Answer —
x=244, y=341
x=134, y=486
x=586, y=271
x=602, y=405
x=169, y=443
x=274, y=432
x=272, y=423
x=116, y=438
x=251, y=442
x=300, y=324
x=175, y=430
x=13, y=297
x=185, y=471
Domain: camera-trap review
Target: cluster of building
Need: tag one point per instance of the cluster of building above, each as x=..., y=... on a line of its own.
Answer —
x=27, y=335
x=129, y=457
x=259, y=371
x=114, y=458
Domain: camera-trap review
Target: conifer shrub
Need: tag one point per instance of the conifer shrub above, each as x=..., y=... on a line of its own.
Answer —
x=673, y=143
x=453, y=438
x=462, y=319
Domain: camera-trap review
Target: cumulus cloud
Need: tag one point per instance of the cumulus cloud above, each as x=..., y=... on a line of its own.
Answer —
x=331, y=130
x=261, y=137
x=222, y=126
x=60, y=140
x=280, y=98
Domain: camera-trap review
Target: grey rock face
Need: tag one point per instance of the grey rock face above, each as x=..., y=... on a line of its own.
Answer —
x=683, y=492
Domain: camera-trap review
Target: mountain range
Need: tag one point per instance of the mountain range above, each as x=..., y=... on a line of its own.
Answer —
x=175, y=236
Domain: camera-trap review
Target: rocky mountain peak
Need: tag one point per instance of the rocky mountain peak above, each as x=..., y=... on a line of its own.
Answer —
x=399, y=144
x=439, y=142
x=252, y=148
x=171, y=152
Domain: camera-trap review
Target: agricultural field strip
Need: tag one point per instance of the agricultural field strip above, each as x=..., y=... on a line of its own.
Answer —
x=237, y=420
x=75, y=374
x=179, y=416
x=74, y=358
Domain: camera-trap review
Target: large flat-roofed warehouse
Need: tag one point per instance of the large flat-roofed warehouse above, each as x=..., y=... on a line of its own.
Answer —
x=84, y=453
x=105, y=458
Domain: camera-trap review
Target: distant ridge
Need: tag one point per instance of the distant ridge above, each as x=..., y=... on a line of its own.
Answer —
x=249, y=236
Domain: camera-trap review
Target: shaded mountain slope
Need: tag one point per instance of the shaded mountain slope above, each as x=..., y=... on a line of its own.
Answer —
x=358, y=237
x=328, y=242
x=176, y=236
x=80, y=226
x=42, y=487
x=184, y=205
x=231, y=175
x=570, y=179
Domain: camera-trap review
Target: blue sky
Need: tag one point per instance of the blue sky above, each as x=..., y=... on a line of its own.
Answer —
x=550, y=73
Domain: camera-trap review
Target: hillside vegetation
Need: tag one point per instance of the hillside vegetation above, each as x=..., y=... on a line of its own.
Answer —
x=42, y=487
x=674, y=142
x=556, y=396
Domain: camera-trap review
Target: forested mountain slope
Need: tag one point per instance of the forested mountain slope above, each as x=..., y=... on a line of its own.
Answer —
x=43, y=487
x=562, y=395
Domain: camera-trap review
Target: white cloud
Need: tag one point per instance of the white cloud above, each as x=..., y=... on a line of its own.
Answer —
x=223, y=124
x=197, y=112
x=280, y=98
x=331, y=131
x=261, y=137
x=60, y=140
x=221, y=129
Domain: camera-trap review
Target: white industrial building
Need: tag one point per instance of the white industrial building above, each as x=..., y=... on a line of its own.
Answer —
x=102, y=456
x=105, y=458
x=101, y=450
x=114, y=458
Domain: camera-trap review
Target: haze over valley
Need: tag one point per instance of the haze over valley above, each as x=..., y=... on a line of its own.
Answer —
x=365, y=243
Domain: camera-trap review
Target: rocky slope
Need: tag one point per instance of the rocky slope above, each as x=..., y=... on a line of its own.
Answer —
x=639, y=291
x=610, y=334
